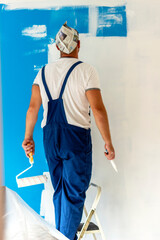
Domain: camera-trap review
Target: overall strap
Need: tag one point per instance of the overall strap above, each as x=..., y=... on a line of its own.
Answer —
x=45, y=85
x=67, y=76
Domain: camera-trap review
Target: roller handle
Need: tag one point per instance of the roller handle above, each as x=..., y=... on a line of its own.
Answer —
x=30, y=157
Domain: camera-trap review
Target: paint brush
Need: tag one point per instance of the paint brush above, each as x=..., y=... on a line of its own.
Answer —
x=112, y=163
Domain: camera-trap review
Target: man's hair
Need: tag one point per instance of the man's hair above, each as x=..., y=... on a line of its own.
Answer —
x=67, y=39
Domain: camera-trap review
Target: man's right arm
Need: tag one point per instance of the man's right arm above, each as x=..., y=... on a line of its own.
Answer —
x=100, y=114
x=31, y=118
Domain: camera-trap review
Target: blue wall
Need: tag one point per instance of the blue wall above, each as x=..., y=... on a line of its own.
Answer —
x=18, y=57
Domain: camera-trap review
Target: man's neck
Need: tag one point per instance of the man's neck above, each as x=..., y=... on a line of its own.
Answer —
x=73, y=54
x=67, y=57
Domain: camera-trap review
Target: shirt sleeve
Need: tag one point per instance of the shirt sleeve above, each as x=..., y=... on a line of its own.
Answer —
x=37, y=78
x=93, y=80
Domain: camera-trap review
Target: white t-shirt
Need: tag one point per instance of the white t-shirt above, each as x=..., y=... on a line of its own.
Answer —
x=82, y=78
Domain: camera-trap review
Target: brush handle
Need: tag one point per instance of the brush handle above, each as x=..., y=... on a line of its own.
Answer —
x=107, y=151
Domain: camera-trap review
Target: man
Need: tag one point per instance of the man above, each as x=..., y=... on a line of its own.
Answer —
x=66, y=88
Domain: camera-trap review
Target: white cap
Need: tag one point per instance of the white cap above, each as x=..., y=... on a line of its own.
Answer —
x=67, y=39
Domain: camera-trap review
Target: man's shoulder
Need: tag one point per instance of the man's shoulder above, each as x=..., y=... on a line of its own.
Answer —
x=87, y=66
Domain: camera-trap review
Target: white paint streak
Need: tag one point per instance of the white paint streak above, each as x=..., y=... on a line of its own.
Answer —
x=93, y=20
x=37, y=68
x=36, y=31
x=53, y=53
x=41, y=4
x=35, y=52
x=117, y=19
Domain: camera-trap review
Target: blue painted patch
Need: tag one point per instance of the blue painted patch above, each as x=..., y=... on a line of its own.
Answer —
x=112, y=22
x=19, y=54
x=17, y=77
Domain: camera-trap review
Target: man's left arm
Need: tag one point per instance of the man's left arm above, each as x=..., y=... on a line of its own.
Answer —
x=31, y=119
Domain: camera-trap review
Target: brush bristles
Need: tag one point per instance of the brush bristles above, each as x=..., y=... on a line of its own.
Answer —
x=24, y=182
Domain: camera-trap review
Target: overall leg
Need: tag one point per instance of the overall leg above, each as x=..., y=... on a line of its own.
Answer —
x=76, y=178
x=55, y=168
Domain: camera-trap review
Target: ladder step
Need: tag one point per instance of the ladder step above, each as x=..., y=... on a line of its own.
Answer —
x=91, y=227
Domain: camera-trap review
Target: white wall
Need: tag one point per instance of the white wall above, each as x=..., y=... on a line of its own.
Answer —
x=129, y=70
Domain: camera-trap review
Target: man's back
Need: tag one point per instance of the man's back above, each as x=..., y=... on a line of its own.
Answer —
x=83, y=78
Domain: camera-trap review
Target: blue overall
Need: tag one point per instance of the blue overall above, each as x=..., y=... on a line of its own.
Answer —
x=68, y=151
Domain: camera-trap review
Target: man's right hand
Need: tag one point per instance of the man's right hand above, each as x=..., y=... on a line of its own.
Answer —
x=110, y=149
x=28, y=146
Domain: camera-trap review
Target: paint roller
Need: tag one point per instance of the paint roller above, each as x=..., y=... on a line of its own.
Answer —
x=28, y=181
